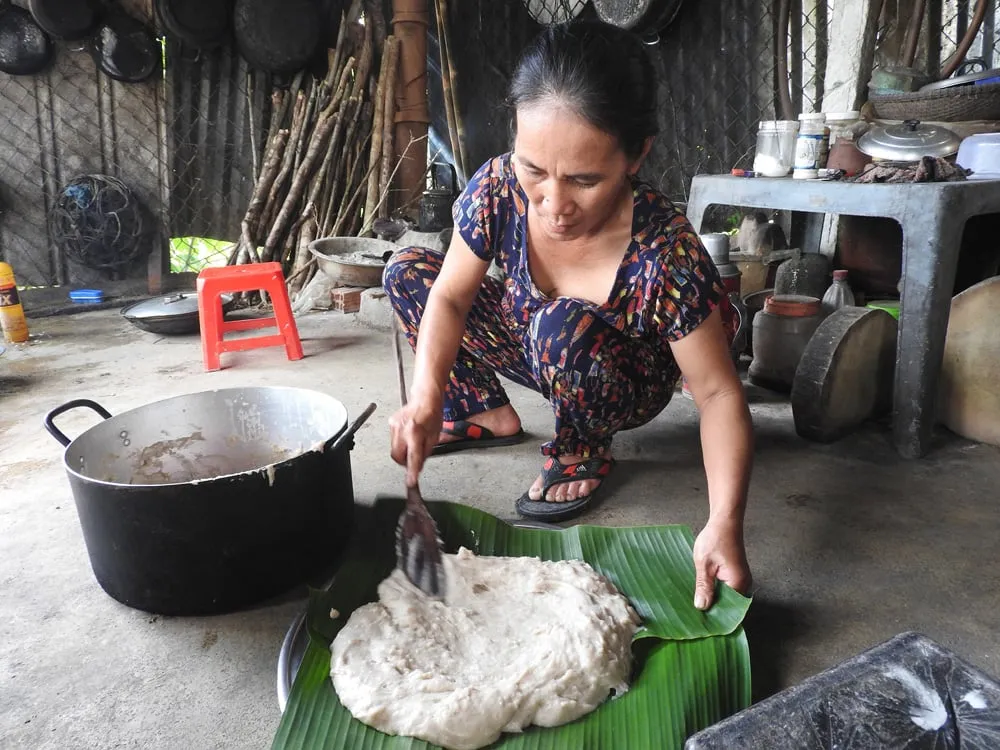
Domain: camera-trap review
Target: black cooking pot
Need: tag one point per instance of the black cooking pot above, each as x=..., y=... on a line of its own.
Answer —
x=69, y=20
x=124, y=48
x=210, y=502
x=25, y=49
x=203, y=24
x=277, y=36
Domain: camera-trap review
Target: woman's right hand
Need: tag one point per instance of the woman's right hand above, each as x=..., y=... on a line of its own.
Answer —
x=414, y=430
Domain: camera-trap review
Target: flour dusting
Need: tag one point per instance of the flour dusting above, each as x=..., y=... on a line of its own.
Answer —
x=928, y=712
x=974, y=699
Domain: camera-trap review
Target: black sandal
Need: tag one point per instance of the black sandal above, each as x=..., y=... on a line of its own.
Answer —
x=554, y=473
x=473, y=436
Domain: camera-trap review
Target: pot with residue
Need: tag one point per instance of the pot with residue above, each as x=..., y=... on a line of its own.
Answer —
x=210, y=502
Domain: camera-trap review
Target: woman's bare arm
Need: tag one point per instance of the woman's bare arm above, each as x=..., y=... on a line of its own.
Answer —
x=727, y=446
x=415, y=429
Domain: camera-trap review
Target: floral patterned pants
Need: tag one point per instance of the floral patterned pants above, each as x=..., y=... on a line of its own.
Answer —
x=597, y=379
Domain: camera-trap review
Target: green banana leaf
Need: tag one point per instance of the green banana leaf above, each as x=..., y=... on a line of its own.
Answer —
x=692, y=668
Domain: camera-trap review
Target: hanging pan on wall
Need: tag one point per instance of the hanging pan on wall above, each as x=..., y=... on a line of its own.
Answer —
x=69, y=20
x=548, y=12
x=124, y=48
x=202, y=24
x=277, y=36
x=25, y=48
x=645, y=17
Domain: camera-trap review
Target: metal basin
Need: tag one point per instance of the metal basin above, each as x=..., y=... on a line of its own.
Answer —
x=352, y=261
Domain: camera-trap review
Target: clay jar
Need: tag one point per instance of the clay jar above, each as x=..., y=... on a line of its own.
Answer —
x=780, y=334
x=846, y=155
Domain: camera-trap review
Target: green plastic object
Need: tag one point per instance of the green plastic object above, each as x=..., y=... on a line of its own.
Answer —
x=891, y=306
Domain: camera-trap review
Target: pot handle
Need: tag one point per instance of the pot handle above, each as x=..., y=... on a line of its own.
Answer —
x=58, y=434
x=335, y=443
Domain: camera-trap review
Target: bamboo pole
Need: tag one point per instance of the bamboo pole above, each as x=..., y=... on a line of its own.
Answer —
x=451, y=91
x=324, y=128
x=446, y=84
x=409, y=25
x=389, y=112
x=247, y=247
x=375, y=155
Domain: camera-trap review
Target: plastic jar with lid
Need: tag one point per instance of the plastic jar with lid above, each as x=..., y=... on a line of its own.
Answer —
x=811, y=146
x=775, y=148
x=781, y=332
x=843, y=125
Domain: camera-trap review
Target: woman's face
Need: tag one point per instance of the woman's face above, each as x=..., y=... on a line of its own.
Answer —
x=574, y=174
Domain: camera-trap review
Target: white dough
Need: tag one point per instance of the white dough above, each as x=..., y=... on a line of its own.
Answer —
x=518, y=641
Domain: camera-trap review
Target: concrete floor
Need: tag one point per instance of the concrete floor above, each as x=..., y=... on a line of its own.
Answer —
x=849, y=544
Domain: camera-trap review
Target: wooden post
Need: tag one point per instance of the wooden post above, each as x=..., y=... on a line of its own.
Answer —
x=848, y=69
x=409, y=24
x=851, y=55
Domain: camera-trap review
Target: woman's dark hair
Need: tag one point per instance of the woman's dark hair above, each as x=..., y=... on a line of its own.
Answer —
x=601, y=71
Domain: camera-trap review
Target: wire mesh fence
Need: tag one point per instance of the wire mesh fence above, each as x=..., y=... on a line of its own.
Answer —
x=182, y=143
x=956, y=19
x=188, y=142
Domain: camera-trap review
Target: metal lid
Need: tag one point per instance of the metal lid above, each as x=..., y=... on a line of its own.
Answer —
x=965, y=80
x=909, y=141
x=168, y=305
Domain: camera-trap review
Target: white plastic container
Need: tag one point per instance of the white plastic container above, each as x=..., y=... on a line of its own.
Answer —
x=843, y=125
x=981, y=154
x=811, y=146
x=775, y=155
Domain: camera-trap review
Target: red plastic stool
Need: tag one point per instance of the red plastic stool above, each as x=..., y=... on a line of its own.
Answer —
x=214, y=282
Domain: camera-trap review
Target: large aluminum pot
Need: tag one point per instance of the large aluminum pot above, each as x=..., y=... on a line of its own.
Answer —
x=212, y=501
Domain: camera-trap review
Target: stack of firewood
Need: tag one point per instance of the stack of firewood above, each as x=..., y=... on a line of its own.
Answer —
x=329, y=157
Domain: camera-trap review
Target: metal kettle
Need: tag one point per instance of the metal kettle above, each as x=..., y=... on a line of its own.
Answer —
x=436, y=202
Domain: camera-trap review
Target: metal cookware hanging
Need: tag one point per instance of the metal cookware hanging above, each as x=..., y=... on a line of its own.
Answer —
x=69, y=20
x=645, y=17
x=124, y=48
x=202, y=24
x=213, y=501
x=548, y=12
x=277, y=36
x=25, y=48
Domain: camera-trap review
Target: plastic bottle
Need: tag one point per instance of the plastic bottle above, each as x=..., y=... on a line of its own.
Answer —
x=12, y=320
x=811, y=146
x=838, y=295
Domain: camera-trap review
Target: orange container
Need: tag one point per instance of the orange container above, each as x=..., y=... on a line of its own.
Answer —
x=12, y=320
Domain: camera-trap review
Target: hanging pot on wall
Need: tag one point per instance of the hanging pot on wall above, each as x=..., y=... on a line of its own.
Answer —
x=646, y=17
x=124, y=48
x=69, y=20
x=548, y=12
x=277, y=36
x=25, y=48
x=202, y=24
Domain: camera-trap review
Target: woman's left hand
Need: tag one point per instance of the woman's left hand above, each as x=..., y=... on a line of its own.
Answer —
x=719, y=555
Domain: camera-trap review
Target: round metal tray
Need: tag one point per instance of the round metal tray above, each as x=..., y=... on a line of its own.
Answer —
x=293, y=647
